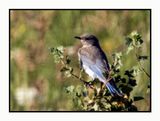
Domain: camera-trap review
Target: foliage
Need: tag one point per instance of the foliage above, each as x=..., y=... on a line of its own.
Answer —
x=89, y=96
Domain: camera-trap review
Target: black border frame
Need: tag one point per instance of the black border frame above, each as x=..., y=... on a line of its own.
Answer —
x=150, y=10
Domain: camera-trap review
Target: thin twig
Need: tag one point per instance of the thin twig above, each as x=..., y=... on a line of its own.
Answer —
x=140, y=65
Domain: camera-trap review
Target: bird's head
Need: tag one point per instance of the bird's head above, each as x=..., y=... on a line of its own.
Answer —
x=88, y=39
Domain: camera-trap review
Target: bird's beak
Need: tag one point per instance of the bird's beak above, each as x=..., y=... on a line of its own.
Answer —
x=77, y=37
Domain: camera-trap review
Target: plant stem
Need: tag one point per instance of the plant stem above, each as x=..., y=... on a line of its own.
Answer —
x=140, y=65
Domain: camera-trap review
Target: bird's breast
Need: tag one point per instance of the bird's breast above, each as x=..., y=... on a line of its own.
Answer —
x=89, y=71
x=89, y=52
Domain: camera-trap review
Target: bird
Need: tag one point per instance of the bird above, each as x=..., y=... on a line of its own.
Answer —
x=94, y=62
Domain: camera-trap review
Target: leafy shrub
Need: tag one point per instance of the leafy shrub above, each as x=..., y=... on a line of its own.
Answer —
x=91, y=95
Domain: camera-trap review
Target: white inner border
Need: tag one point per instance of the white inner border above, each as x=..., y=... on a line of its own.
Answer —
x=5, y=5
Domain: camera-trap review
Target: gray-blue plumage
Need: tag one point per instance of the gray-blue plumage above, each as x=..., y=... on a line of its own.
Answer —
x=94, y=61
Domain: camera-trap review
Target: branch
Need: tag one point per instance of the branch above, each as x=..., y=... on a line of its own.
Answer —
x=140, y=65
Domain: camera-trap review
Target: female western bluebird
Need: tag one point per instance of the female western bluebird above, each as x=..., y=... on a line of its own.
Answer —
x=94, y=61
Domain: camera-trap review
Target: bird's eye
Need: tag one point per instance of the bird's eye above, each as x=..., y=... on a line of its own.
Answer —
x=87, y=38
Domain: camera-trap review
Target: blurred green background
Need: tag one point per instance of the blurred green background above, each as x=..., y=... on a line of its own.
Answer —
x=35, y=81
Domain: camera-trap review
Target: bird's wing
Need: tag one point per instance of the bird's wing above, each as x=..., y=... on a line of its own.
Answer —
x=97, y=65
x=86, y=56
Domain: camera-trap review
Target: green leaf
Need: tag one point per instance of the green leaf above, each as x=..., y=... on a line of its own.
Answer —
x=128, y=41
x=60, y=49
x=142, y=58
x=135, y=70
x=78, y=91
x=57, y=53
x=67, y=73
x=117, y=60
x=128, y=73
x=117, y=78
x=137, y=98
x=137, y=38
x=51, y=49
x=129, y=49
x=123, y=80
x=56, y=58
x=134, y=40
x=107, y=106
x=132, y=82
x=70, y=89
x=125, y=88
x=95, y=107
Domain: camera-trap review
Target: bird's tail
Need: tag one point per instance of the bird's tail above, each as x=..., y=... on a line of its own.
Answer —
x=113, y=89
